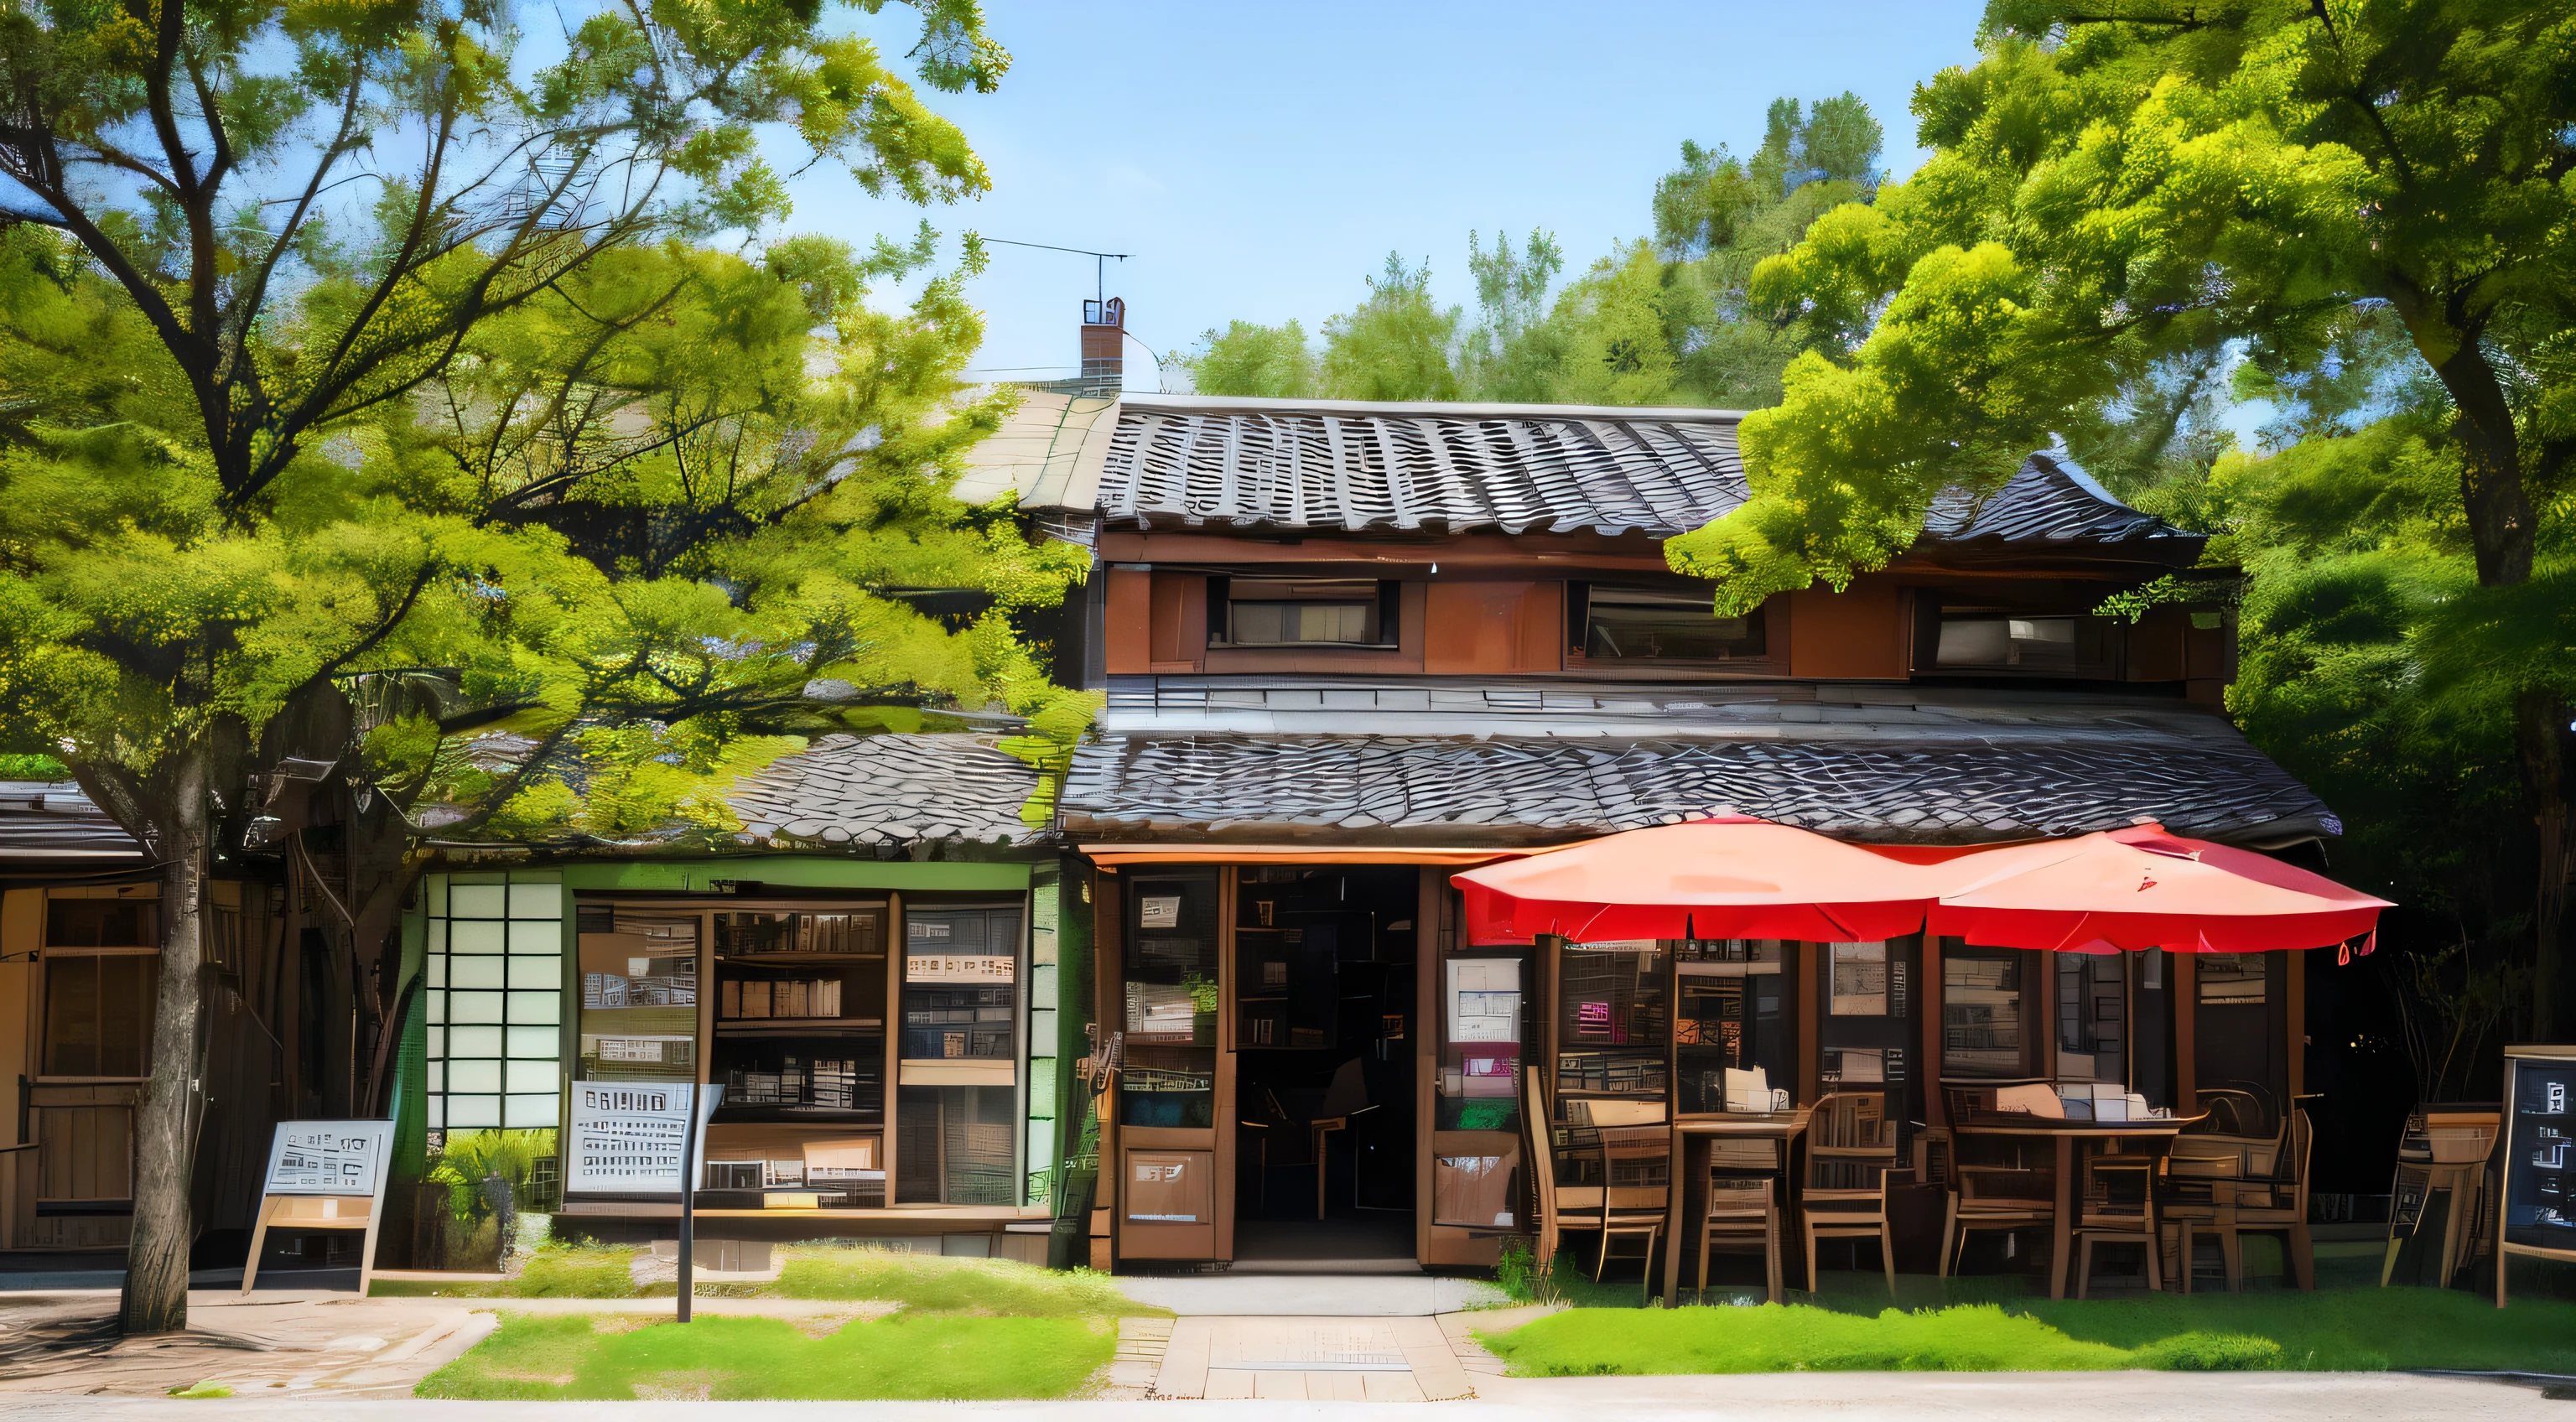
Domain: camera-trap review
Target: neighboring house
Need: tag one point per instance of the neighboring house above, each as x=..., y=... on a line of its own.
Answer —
x=80, y=941
x=1349, y=648
x=872, y=973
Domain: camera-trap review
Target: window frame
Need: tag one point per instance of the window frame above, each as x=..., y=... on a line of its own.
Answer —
x=1580, y=595
x=1386, y=604
x=49, y=954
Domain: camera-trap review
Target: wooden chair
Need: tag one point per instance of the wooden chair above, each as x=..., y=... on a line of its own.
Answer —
x=1743, y=1213
x=2119, y=1207
x=2276, y=1203
x=1851, y=1152
x=1557, y=1210
x=1636, y=1192
x=2440, y=1152
x=1992, y=1199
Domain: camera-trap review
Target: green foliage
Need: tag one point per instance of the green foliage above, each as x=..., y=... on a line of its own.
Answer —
x=1396, y=344
x=471, y=1158
x=2118, y=198
x=2198, y=1352
x=32, y=767
x=933, y=1284
x=929, y=1357
x=1250, y=359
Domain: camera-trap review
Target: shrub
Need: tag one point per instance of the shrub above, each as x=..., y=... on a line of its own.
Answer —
x=2198, y=1352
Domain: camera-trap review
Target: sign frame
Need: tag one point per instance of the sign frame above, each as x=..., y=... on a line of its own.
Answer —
x=2505, y=1248
x=303, y=1207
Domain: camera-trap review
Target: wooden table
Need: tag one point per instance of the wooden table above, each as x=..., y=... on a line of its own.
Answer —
x=2066, y=1134
x=1784, y=1127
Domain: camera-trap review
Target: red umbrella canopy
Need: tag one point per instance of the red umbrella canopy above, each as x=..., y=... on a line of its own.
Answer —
x=1728, y=877
x=2145, y=887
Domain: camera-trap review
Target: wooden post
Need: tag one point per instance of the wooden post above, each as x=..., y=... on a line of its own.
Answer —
x=1812, y=989
x=1927, y=1000
x=1228, y=882
x=1109, y=1003
x=1430, y=897
x=2184, y=995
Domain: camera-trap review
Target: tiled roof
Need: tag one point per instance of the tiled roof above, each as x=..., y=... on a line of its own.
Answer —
x=1352, y=466
x=57, y=821
x=1348, y=465
x=887, y=790
x=1501, y=791
x=2047, y=500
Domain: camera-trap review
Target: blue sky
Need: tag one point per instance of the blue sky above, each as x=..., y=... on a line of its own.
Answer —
x=1259, y=160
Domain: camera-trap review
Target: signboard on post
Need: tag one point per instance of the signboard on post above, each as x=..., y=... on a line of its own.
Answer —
x=2538, y=1218
x=324, y=1175
x=627, y=1137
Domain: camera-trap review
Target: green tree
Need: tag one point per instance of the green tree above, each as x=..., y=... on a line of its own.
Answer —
x=1247, y=358
x=1396, y=345
x=1613, y=325
x=278, y=228
x=2111, y=191
x=1513, y=352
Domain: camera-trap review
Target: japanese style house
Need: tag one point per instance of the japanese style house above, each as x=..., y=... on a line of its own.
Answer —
x=1347, y=650
x=1350, y=648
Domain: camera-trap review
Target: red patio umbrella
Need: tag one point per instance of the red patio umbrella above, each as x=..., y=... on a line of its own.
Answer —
x=2144, y=887
x=1727, y=877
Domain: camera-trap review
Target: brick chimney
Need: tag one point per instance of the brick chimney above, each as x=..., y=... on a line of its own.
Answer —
x=1104, y=347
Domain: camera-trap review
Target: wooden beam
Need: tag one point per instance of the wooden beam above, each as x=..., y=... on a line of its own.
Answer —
x=2185, y=996
x=1430, y=899
x=1927, y=1007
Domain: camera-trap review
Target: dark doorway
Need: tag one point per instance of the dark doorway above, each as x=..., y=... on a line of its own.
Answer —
x=1324, y=1081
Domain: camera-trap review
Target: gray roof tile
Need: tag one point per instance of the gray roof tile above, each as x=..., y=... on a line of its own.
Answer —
x=1324, y=464
x=888, y=790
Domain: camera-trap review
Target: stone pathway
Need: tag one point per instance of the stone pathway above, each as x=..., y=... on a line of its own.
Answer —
x=1311, y=1359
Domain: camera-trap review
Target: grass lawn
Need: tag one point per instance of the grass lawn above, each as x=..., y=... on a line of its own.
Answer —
x=810, y=1271
x=966, y=1330
x=2359, y=1329
x=907, y=1356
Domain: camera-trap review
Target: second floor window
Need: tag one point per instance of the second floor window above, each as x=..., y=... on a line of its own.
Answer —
x=1657, y=624
x=1300, y=612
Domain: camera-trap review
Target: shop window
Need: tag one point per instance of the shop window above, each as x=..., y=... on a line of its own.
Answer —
x=1614, y=1024
x=1981, y=1012
x=1731, y=1027
x=2092, y=1017
x=1301, y=612
x=639, y=993
x=1170, y=1009
x=955, y=1145
x=800, y=1021
x=98, y=1013
x=961, y=989
x=1480, y=1043
x=1659, y=624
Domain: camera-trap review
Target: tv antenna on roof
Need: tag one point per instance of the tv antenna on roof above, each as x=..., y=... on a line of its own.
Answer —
x=1100, y=262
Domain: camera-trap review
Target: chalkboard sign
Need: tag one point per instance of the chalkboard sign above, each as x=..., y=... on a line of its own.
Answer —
x=2539, y=1214
x=2540, y=1166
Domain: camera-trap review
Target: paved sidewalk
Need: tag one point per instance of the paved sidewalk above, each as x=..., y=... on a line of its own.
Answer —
x=65, y=1343
x=1242, y=1294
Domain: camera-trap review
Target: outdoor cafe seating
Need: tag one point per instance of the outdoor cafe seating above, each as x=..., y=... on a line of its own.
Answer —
x=1733, y=1055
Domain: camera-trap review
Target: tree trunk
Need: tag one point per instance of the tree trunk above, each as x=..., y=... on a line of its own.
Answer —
x=156, y=1268
x=2503, y=533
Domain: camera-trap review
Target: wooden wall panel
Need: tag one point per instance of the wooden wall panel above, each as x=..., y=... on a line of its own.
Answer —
x=1483, y=627
x=2155, y=645
x=22, y=929
x=1863, y=633
x=1129, y=613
